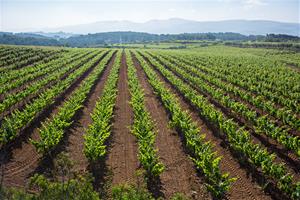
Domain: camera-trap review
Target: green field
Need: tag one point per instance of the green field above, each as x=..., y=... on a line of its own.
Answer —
x=149, y=121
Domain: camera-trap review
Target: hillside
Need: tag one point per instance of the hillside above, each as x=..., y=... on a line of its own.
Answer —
x=177, y=26
x=114, y=38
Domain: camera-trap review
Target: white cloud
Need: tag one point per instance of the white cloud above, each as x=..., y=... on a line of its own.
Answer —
x=171, y=9
x=245, y=2
x=193, y=11
x=252, y=3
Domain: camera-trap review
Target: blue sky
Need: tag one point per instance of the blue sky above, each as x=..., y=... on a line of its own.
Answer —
x=28, y=15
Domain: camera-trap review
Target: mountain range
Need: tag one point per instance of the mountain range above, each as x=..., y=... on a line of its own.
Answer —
x=177, y=26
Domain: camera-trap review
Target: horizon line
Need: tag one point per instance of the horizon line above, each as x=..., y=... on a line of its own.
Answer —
x=120, y=20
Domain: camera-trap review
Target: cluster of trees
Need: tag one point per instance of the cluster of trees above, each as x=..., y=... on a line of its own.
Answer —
x=132, y=37
x=281, y=38
x=270, y=45
x=27, y=39
x=138, y=37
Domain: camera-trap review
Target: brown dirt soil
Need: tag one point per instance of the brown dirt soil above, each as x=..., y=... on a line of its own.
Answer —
x=122, y=159
x=75, y=140
x=32, y=60
x=20, y=158
x=260, y=112
x=22, y=103
x=28, y=83
x=180, y=174
x=245, y=187
x=277, y=105
x=269, y=143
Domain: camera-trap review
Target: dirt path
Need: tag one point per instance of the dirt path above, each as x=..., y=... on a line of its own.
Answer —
x=75, y=139
x=180, y=174
x=21, y=160
x=244, y=187
x=122, y=158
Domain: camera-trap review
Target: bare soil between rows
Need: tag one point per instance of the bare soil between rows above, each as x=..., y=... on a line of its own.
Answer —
x=282, y=154
x=20, y=159
x=245, y=187
x=122, y=162
x=180, y=174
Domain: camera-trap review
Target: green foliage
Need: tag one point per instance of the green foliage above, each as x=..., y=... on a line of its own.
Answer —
x=53, y=128
x=70, y=186
x=179, y=196
x=79, y=188
x=11, y=124
x=238, y=138
x=14, y=80
x=99, y=131
x=14, y=194
x=262, y=124
x=128, y=192
x=143, y=126
x=19, y=40
x=202, y=152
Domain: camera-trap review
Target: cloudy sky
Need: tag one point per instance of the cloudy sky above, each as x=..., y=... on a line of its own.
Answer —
x=27, y=15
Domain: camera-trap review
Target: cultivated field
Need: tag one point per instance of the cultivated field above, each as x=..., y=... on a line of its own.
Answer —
x=206, y=122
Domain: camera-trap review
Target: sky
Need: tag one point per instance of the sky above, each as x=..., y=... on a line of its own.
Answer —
x=34, y=15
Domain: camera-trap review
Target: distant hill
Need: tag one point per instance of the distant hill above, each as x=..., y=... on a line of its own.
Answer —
x=177, y=26
x=55, y=35
x=139, y=37
x=27, y=39
x=24, y=35
x=104, y=39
